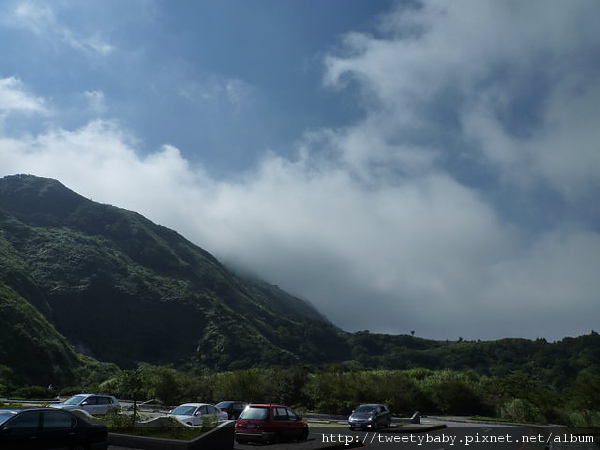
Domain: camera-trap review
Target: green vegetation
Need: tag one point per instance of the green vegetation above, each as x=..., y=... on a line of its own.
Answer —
x=174, y=432
x=25, y=331
x=170, y=428
x=515, y=397
x=122, y=289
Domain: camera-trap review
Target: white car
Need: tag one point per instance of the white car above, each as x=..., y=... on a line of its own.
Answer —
x=196, y=414
x=95, y=404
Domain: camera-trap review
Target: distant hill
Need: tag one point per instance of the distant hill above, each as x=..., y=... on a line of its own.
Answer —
x=82, y=280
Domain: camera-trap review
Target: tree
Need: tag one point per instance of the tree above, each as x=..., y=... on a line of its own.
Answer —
x=164, y=383
x=585, y=395
x=131, y=382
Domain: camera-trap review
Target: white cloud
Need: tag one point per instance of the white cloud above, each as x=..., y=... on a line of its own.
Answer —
x=547, y=289
x=489, y=55
x=35, y=17
x=317, y=233
x=96, y=101
x=41, y=19
x=421, y=255
x=92, y=44
x=15, y=99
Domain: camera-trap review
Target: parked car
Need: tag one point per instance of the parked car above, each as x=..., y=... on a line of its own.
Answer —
x=372, y=415
x=269, y=423
x=196, y=414
x=232, y=408
x=95, y=404
x=49, y=428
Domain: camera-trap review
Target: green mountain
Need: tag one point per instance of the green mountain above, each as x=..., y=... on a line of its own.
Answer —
x=31, y=346
x=123, y=289
x=84, y=286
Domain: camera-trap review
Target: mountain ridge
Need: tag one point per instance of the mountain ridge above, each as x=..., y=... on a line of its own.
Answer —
x=86, y=287
x=68, y=256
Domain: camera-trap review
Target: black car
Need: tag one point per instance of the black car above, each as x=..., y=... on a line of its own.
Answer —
x=232, y=408
x=372, y=415
x=49, y=429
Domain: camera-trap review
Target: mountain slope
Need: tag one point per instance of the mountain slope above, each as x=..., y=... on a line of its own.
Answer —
x=123, y=289
x=78, y=277
x=32, y=350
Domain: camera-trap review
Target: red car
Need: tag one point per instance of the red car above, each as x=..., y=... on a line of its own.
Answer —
x=269, y=423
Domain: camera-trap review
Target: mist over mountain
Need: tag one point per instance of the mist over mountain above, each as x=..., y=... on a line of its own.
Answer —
x=85, y=286
x=123, y=289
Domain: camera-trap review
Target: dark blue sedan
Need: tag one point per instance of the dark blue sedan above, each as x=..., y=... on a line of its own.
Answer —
x=49, y=429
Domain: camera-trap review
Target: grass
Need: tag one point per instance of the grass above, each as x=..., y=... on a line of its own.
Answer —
x=179, y=433
x=121, y=423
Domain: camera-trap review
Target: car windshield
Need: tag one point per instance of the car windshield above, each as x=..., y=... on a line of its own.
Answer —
x=5, y=415
x=223, y=404
x=365, y=409
x=75, y=400
x=255, y=413
x=183, y=410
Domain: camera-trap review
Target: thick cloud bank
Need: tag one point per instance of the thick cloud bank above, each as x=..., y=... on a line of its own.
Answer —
x=462, y=204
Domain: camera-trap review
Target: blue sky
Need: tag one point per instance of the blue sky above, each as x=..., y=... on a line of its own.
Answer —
x=424, y=166
x=223, y=70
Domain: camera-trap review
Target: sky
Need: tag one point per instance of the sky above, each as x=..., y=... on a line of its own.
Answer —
x=406, y=166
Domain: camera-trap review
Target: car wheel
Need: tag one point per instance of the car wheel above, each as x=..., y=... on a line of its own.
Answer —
x=304, y=435
x=78, y=447
x=276, y=439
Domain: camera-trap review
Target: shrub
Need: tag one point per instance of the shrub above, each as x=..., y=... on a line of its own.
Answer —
x=34, y=393
x=584, y=419
x=115, y=419
x=520, y=410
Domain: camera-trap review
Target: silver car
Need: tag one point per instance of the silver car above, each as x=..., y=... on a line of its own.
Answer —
x=195, y=414
x=372, y=415
x=95, y=404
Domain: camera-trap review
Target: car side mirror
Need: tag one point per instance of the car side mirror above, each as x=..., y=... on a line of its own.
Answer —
x=85, y=403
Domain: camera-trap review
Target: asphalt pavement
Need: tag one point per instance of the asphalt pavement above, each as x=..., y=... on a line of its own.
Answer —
x=330, y=436
x=434, y=434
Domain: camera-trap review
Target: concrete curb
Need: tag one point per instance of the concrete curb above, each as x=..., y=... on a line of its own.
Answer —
x=412, y=429
x=219, y=438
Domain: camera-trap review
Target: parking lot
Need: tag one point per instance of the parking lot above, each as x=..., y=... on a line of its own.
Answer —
x=329, y=434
